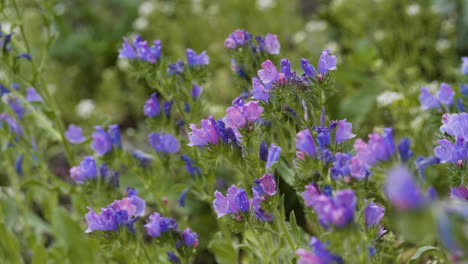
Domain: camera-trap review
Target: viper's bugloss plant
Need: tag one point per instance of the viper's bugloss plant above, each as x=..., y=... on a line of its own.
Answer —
x=274, y=177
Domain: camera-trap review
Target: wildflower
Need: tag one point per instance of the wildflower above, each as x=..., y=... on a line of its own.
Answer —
x=402, y=190
x=165, y=143
x=265, y=185
x=158, y=225
x=263, y=153
x=191, y=169
x=172, y=257
x=141, y=50
x=460, y=192
x=268, y=73
x=327, y=62
x=337, y=209
x=102, y=142
x=74, y=134
x=182, y=196
x=341, y=165
x=373, y=214
x=273, y=155
x=259, y=92
x=12, y=124
x=127, y=50
x=204, y=135
x=427, y=99
x=305, y=142
x=17, y=106
x=143, y=157
x=19, y=164
x=236, y=200
x=176, y=68
x=32, y=95
x=445, y=94
x=107, y=220
x=308, y=68
x=379, y=147
x=319, y=254
x=259, y=213
x=272, y=44
x=404, y=149
x=196, y=91
x=455, y=125
x=286, y=68
x=238, y=116
x=464, y=89
x=422, y=163
x=343, y=132
x=152, y=106
x=464, y=65
x=114, y=134
x=190, y=238
x=194, y=59
x=109, y=175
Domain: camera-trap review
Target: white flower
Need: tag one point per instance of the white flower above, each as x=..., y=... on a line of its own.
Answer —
x=413, y=9
x=316, y=25
x=85, y=108
x=146, y=8
x=264, y=4
x=140, y=23
x=388, y=97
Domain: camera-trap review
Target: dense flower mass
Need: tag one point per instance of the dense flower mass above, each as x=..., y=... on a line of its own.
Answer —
x=140, y=50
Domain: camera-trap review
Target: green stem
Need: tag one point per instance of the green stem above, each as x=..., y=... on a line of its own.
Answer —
x=261, y=248
x=280, y=222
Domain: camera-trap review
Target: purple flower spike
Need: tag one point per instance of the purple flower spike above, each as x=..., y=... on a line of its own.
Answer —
x=259, y=213
x=176, y=68
x=305, y=142
x=344, y=131
x=152, y=106
x=444, y=150
x=427, y=100
x=327, y=62
x=266, y=185
x=319, y=254
x=273, y=155
x=259, y=92
x=455, y=125
x=286, y=68
x=310, y=193
x=445, y=94
x=464, y=65
x=204, y=135
x=114, y=133
x=194, y=59
x=268, y=73
x=32, y=95
x=134, y=205
x=308, y=68
x=102, y=142
x=88, y=167
x=105, y=220
x=373, y=214
x=341, y=165
x=459, y=193
x=272, y=44
x=127, y=50
x=190, y=238
x=74, y=134
x=165, y=143
x=402, y=190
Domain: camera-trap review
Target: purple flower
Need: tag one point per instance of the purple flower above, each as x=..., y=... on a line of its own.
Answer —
x=24, y=55
x=158, y=225
x=152, y=106
x=460, y=192
x=460, y=106
x=236, y=200
x=204, y=135
x=109, y=175
x=88, y=167
x=77, y=175
x=182, y=196
x=12, y=124
x=32, y=95
x=155, y=51
x=230, y=43
x=404, y=148
x=143, y=157
x=455, y=125
x=308, y=68
x=272, y=44
x=464, y=65
x=134, y=205
x=194, y=59
x=263, y=153
x=17, y=106
x=259, y=92
x=286, y=68
x=327, y=62
x=239, y=36
x=196, y=91
x=337, y=210
x=311, y=191
x=265, y=185
x=191, y=169
x=102, y=142
x=19, y=164
x=176, y=68
x=74, y=134
x=344, y=131
x=464, y=89
x=358, y=169
x=167, y=107
x=402, y=190
x=445, y=94
x=172, y=257
x=114, y=134
x=421, y=163
x=127, y=50
x=259, y=213
x=106, y=220
x=373, y=214
x=427, y=100
x=444, y=150
x=238, y=116
x=379, y=147
x=268, y=73
x=319, y=254
x=305, y=142
x=165, y=143
x=273, y=155
x=190, y=238
x=341, y=165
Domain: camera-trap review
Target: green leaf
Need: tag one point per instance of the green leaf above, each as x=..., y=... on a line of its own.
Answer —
x=223, y=250
x=293, y=224
x=39, y=254
x=421, y=251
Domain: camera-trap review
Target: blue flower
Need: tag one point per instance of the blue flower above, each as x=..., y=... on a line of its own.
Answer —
x=190, y=238
x=404, y=148
x=165, y=143
x=158, y=225
x=182, y=196
x=102, y=142
x=114, y=134
x=263, y=153
x=172, y=257
x=427, y=99
x=152, y=106
x=32, y=95
x=273, y=155
x=402, y=190
x=236, y=200
x=194, y=59
x=176, y=68
x=327, y=62
x=308, y=68
x=74, y=134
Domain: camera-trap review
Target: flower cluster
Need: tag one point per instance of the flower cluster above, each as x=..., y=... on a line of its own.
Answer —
x=140, y=50
x=211, y=132
x=88, y=170
x=103, y=141
x=240, y=38
x=456, y=127
x=240, y=114
x=319, y=254
x=444, y=96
